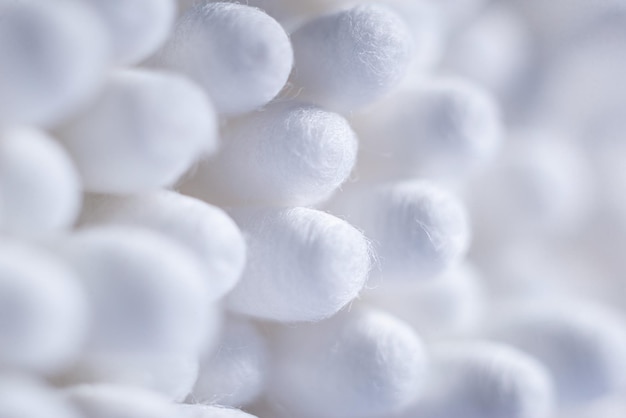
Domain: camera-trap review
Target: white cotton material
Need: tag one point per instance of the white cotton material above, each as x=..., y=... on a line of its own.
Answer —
x=206, y=231
x=303, y=264
x=540, y=182
x=118, y=401
x=364, y=363
x=171, y=374
x=206, y=411
x=54, y=58
x=147, y=293
x=350, y=58
x=457, y=13
x=238, y=54
x=288, y=154
x=235, y=372
x=137, y=28
x=443, y=129
x=494, y=50
x=418, y=229
x=425, y=21
x=145, y=130
x=484, y=380
x=583, y=346
x=43, y=311
x=452, y=305
x=558, y=22
x=40, y=189
x=25, y=397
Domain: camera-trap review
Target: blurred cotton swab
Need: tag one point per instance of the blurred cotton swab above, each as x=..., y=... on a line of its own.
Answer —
x=287, y=154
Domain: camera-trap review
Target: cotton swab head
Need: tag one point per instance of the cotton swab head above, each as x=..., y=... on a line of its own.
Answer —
x=240, y=55
x=172, y=125
x=289, y=154
x=235, y=373
x=136, y=27
x=350, y=58
x=26, y=397
x=541, y=182
x=442, y=129
x=118, y=401
x=303, y=264
x=43, y=311
x=206, y=231
x=494, y=50
x=364, y=363
x=40, y=189
x=54, y=57
x=583, y=347
x=425, y=21
x=485, y=380
x=140, y=305
x=418, y=228
x=449, y=306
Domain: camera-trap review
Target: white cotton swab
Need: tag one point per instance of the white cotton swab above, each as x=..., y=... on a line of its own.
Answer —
x=40, y=189
x=143, y=133
x=303, y=264
x=418, y=228
x=541, y=182
x=288, y=154
x=443, y=129
x=238, y=54
x=136, y=27
x=206, y=231
x=350, y=58
x=362, y=363
x=27, y=397
x=44, y=313
x=450, y=306
x=494, y=50
x=582, y=345
x=479, y=379
x=54, y=57
x=118, y=401
x=235, y=372
x=140, y=305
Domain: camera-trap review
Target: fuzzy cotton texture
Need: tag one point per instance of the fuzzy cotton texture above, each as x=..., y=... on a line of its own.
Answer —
x=40, y=189
x=288, y=154
x=362, y=363
x=54, y=58
x=314, y=266
x=136, y=27
x=145, y=130
x=238, y=54
x=418, y=228
x=44, y=314
x=206, y=231
x=348, y=59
